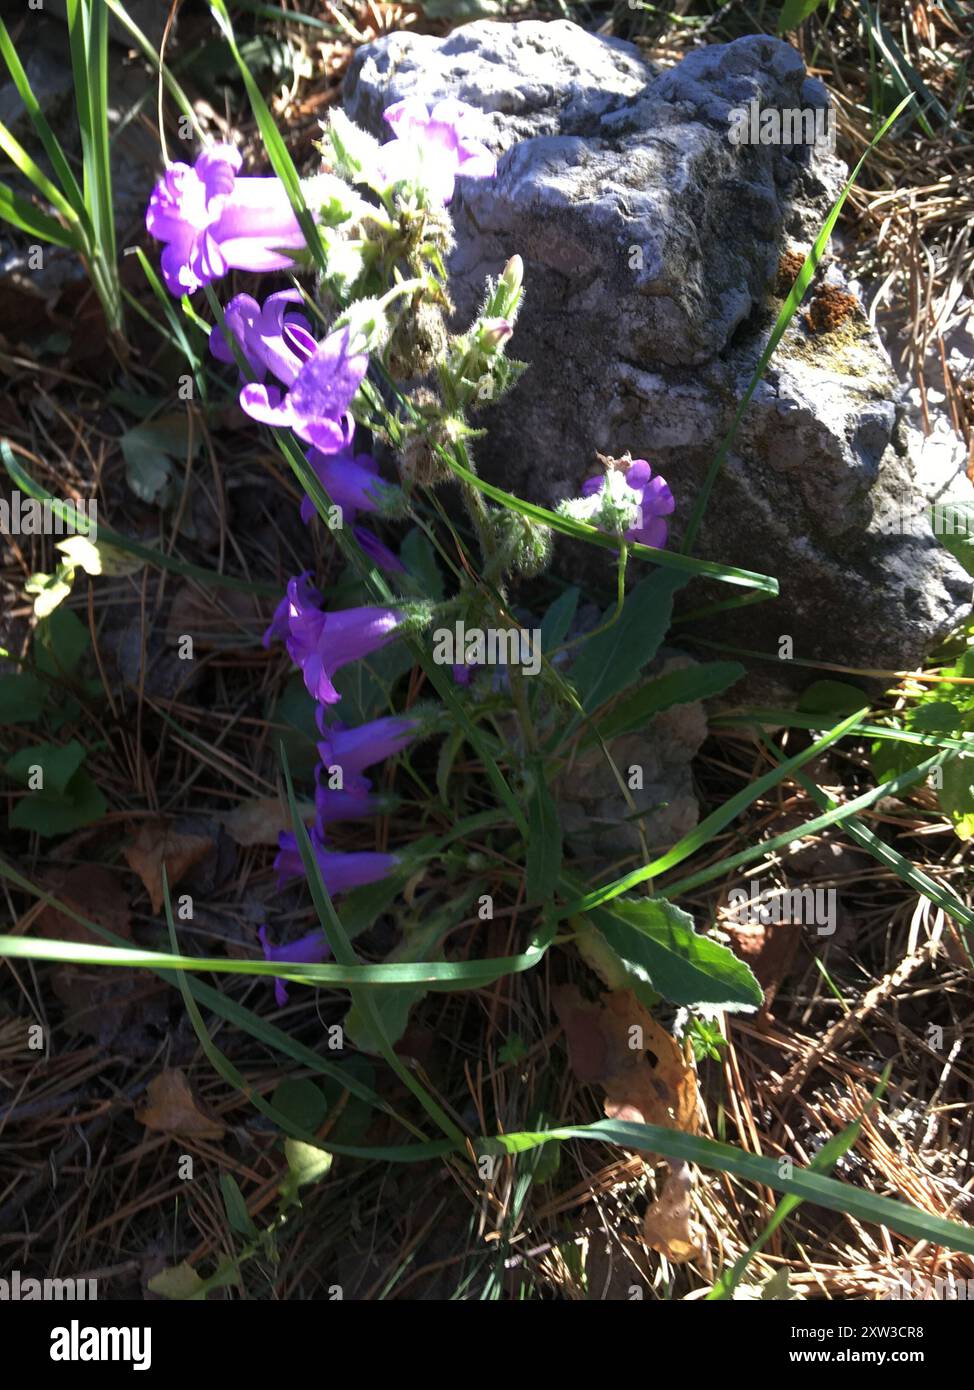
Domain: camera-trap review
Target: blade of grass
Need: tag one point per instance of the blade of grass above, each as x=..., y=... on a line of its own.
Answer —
x=823, y=1162
x=344, y=953
x=19, y=213
x=712, y=824
x=803, y=1183
x=837, y=816
x=62, y=169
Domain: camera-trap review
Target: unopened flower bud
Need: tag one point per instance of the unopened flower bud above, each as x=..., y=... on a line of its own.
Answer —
x=494, y=333
x=512, y=276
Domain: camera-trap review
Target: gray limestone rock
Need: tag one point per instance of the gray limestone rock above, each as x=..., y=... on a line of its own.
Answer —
x=652, y=246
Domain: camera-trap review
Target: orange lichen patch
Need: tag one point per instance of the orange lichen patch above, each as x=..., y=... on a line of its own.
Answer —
x=789, y=265
x=829, y=309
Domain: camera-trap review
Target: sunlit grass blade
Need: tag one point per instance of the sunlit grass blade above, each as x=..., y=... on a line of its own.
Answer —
x=885, y=854
x=838, y=815
x=797, y=719
x=62, y=169
x=712, y=824
x=19, y=213
x=444, y=975
x=804, y=1183
x=32, y=171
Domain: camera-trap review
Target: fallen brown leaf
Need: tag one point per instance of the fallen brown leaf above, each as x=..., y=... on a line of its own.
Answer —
x=260, y=820
x=156, y=844
x=172, y=1109
x=768, y=948
x=668, y=1226
x=617, y=1045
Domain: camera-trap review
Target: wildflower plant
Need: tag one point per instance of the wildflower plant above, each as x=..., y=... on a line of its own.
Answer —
x=351, y=361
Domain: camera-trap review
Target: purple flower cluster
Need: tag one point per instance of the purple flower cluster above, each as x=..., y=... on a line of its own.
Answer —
x=320, y=643
x=656, y=504
x=212, y=221
x=435, y=146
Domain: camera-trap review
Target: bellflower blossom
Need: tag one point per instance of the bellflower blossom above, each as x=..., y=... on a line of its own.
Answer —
x=352, y=801
x=307, y=950
x=434, y=146
x=212, y=221
x=320, y=643
x=653, y=498
x=351, y=481
x=340, y=871
x=321, y=378
x=355, y=749
x=268, y=336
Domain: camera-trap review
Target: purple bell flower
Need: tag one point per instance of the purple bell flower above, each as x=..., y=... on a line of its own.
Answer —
x=353, y=801
x=351, y=481
x=307, y=950
x=304, y=595
x=656, y=504
x=212, y=221
x=320, y=643
x=321, y=379
x=273, y=338
x=341, y=871
x=434, y=146
x=353, y=750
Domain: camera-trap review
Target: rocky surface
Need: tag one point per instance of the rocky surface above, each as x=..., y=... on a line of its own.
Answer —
x=653, y=249
x=598, y=821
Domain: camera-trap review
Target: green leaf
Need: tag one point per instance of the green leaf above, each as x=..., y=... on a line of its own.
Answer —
x=675, y=688
x=236, y=1208
x=832, y=698
x=419, y=557
x=305, y=1164
x=957, y=795
x=60, y=641
x=149, y=452
x=58, y=765
x=52, y=814
x=21, y=698
x=179, y=1283
x=558, y=619
x=302, y=1101
x=611, y=660
x=795, y=12
x=659, y=948
x=366, y=686
x=544, y=841
x=953, y=524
